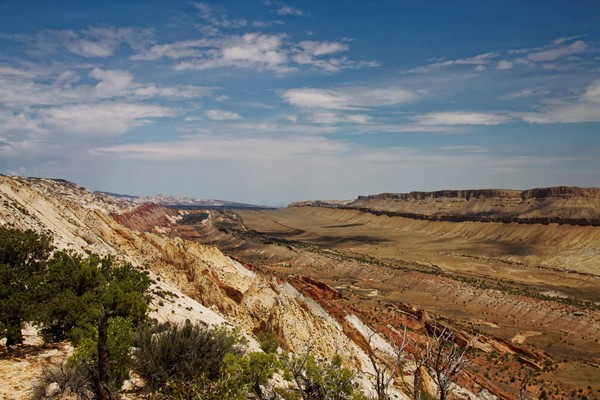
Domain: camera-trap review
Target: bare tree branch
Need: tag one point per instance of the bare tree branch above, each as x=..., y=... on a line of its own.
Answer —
x=385, y=371
x=445, y=359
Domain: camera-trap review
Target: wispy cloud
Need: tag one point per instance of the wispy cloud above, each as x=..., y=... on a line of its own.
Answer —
x=281, y=8
x=480, y=60
x=58, y=135
x=503, y=64
x=216, y=16
x=557, y=50
x=327, y=117
x=312, y=53
x=29, y=88
x=460, y=118
x=465, y=149
x=112, y=82
x=348, y=98
x=105, y=119
x=527, y=92
x=92, y=42
x=211, y=147
x=287, y=10
x=253, y=50
x=222, y=115
x=216, y=46
x=582, y=108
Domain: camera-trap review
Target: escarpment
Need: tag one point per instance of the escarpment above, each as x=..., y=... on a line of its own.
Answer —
x=563, y=205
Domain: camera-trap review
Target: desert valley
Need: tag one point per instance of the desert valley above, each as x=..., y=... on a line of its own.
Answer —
x=335, y=273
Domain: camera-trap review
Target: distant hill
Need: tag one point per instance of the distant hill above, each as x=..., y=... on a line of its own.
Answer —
x=185, y=202
x=563, y=204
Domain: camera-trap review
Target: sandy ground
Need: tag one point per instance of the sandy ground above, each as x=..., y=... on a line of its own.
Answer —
x=520, y=338
x=21, y=369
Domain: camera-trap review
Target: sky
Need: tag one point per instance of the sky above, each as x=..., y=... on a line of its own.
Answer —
x=270, y=101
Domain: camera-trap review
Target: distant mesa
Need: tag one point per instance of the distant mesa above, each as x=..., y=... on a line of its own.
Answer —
x=562, y=204
x=538, y=193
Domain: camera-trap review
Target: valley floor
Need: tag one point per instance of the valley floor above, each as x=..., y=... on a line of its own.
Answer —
x=534, y=287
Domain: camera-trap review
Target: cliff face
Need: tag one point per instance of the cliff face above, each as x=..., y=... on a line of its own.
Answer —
x=456, y=194
x=565, y=205
x=205, y=284
x=539, y=193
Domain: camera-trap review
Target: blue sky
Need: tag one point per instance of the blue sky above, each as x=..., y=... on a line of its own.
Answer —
x=269, y=101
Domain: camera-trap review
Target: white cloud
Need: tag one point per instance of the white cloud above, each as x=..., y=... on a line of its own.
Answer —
x=558, y=51
x=503, y=64
x=313, y=53
x=18, y=123
x=30, y=89
x=173, y=92
x=335, y=106
x=253, y=50
x=93, y=42
x=583, y=108
x=527, y=92
x=92, y=48
x=461, y=118
x=233, y=148
x=286, y=10
x=404, y=128
x=318, y=98
x=382, y=96
x=256, y=48
x=348, y=98
x=222, y=115
x=217, y=17
x=104, y=119
x=321, y=48
x=465, y=149
x=275, y=128
x=176, y=50
x=23, y=88
x=480, y=60
x=325, y=117
x=112, y=82
x=9, y=71
x=292, y=118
